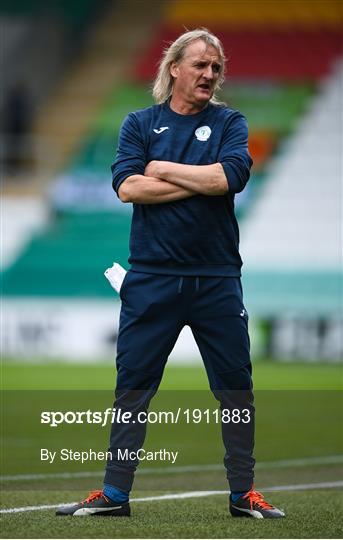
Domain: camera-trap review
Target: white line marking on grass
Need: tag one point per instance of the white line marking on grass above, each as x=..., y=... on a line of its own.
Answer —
x=284, y=463
x=186, y=495
x=28, y=508
x=46, y=476
x=300, y=487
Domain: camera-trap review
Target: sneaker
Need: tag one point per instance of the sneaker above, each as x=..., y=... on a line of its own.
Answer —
x=96, y=504
x=252, y=504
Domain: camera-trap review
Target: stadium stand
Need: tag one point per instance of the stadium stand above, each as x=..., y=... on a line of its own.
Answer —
x=306, y=169
x=282, y=40
x=39, y=41
x=270, y=55
x=76, y=14
x=299, y=215
x=21, y=218
x=68, y=115
x=13, y=32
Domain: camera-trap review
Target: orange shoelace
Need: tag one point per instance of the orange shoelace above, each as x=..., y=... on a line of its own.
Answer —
x=255, y=497
x=94, y=495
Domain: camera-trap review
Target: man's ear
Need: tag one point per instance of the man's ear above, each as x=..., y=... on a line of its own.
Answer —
x=174, y=69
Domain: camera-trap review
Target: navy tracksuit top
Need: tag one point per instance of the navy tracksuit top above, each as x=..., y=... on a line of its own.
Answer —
x=196, y=236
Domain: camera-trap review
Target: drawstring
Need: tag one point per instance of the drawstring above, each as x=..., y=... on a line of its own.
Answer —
x=180, y=286
x=197, y=283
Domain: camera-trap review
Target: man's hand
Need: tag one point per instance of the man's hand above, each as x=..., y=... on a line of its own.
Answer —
x=204, y=179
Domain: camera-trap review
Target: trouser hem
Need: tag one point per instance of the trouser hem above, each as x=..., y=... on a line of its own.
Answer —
x=120, y=480
x=243, y=484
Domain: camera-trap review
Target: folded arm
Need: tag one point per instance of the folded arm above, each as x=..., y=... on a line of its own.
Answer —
x=202, y=179
x=149, y=190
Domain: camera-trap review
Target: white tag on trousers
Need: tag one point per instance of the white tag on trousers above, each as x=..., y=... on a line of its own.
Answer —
x=115, y=276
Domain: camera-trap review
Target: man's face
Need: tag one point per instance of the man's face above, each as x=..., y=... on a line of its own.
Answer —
x=196, y=75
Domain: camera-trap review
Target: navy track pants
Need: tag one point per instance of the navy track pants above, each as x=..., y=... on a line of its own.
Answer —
x=154, y=310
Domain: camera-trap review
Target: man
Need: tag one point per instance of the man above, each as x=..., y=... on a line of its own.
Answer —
x=180, y=163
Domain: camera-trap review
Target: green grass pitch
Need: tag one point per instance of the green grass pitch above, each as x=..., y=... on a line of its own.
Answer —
x=298, y=443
